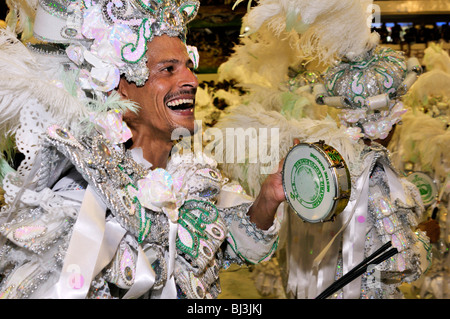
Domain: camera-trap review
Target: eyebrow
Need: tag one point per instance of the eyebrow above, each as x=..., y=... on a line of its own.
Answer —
x=169, y=61
x=189, y=61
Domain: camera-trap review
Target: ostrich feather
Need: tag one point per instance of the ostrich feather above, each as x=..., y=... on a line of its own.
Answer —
x=262, y=58
x=432, y=83
x=23, y=78
x=330, y=29
x=20, y=17
x=256, y=116
x=423, y=141
x=436, y=58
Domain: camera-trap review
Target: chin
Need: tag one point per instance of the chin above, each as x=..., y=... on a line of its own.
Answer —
x=189, y=123
x=185, y=128
x=193, y=128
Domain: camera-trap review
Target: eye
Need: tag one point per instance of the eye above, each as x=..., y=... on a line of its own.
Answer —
x=169, y=69
x=190, y=66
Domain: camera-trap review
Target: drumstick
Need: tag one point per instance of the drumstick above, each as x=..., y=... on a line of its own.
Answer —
x=344, y=281
x=352, y=271
x=359, y=269
x=347, y=279
x=371, y=257
x=435, y=212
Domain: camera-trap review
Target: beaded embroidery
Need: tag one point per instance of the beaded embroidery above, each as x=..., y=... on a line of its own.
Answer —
x=368, y=91
x=195, y=216
x=102, y=163
x=109, y=37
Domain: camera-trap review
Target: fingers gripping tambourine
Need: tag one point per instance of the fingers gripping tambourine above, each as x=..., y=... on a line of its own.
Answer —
x=316, y=181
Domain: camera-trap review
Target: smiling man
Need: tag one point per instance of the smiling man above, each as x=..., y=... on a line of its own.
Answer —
x=99, y=207
x=166, y=100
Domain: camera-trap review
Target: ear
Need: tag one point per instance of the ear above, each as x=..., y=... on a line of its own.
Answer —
x=122, y=88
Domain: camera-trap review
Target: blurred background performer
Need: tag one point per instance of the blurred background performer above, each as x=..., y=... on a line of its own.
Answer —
x=360, y=88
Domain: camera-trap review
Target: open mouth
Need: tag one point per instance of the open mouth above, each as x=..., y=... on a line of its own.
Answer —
x=180, y=104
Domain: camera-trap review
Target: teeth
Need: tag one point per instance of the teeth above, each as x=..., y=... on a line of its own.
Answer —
x=180, y=101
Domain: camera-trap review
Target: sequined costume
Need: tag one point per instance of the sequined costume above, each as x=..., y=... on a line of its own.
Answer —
x=42, y=232
x=385, y=208
x=84, y=217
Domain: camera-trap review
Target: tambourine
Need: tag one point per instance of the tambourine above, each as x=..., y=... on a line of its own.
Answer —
x=426, y=185
x=316, y=181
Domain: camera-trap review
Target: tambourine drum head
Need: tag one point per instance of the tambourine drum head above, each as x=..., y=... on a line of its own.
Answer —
x=427, y=187
x=308, y=183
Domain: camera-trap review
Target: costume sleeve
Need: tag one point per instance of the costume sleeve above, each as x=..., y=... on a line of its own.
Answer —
x=37, y=228
x=245, y=241
x=395, y=221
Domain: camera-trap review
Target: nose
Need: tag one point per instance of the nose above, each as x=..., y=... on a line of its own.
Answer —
x=188, y=78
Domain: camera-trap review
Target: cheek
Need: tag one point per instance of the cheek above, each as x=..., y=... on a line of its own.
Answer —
x=154, y=111
x=156, y=93
x=151, y=101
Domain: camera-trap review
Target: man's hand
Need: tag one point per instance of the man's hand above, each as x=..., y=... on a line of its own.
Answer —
x=270, y=197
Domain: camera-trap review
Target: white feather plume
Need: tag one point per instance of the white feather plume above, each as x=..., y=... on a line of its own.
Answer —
x=433, y=83
x=20, y=17
x=262, y=58
x=255, y=115
x=23, y=78
x=435, y=57
x=329, y=29
x=423, y=141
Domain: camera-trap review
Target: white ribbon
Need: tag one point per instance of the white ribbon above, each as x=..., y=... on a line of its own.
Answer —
x=114, y=233
x=354, y=230
x=326, y=274
x=303, y=279
x=350, y=209
x=169, y=291
x=354, y=237
x=92, y=247
x=395, y=186
x=144, y=279
x=84, y=248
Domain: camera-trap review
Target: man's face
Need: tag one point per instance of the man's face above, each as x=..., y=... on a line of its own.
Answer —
x=168, y=97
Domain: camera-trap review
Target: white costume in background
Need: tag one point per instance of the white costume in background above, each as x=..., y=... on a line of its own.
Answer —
x=421, y=146
x=364, y=82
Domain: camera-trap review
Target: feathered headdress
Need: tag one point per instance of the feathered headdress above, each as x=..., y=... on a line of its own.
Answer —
x=74, y=62
x=330, y=29
x=364, y=80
